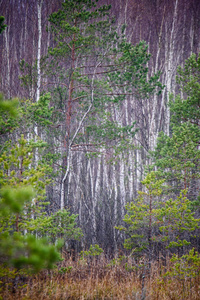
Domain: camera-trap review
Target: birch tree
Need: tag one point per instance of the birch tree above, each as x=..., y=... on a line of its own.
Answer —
x=39, y=15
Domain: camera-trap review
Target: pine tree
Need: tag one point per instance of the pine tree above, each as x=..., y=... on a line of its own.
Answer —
x=177, y=223
x=89, y=71
x=92, y=69
x=141, y=218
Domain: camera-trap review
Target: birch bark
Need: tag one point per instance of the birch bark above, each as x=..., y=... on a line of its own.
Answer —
x=169, y=71
x=153, y=131
x=7, y=35
x=39, y=17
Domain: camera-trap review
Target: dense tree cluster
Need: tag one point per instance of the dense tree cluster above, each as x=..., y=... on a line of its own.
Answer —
x=77, y=164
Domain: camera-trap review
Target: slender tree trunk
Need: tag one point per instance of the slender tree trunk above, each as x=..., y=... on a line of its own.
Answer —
x=131, y=175
x=7, y=35
x=153, y=131
x=115, y=199
x=150, y=231
x=170, y=66
x=122, y=185
x=192, y=35
x=62, y=197
x=39, y=17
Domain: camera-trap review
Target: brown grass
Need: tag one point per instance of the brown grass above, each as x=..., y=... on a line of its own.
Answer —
x=96, y=280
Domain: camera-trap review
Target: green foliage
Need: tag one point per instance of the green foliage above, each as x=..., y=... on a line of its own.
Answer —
x=140, y=216
x=186, y=108
x=8, y=115
x=117, y=261
x=93, y=251
x=110, y=130
x=89, y=71
x=98, y=61
x=22, y=199
x=29, y=77
x=58, y=225
x=177, y=156
x=9, y=106
x=22, y=206
x=136, y=219
x=64, y=270
x=153, y=185
x=2, y=25
x=135, y=59
x=150, y=219
x=18, y=170
x=186, y=266
x=13, y=199
x=177, y=222
x=40, y=113
x=27, y=251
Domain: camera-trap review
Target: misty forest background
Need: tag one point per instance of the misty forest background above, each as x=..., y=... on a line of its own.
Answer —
x=99, y=127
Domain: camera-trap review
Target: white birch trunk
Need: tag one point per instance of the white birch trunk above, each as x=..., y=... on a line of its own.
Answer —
x=131, y=175
x=122, y=184
x=39, y=11
x=153, y=132
x=191, y=35
x=7, y=34
x=115, y=203
x=39, y=8
x=62, y=196
x=138, y=169
x=121, y=170
x=95, y=196
x=97, y=182
x=170, y=68
x=108, y=187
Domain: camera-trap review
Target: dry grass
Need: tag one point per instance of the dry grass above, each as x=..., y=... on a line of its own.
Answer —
x=97, y=280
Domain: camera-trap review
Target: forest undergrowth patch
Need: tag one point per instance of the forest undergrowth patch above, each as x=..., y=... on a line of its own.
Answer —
x=102, y=279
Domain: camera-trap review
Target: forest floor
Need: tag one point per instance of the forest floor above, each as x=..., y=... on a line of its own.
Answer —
x=99, y=279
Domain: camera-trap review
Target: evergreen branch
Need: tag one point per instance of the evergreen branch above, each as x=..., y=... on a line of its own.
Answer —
x=98, y=73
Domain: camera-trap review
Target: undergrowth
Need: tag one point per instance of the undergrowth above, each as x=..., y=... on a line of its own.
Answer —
x=98, y=278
